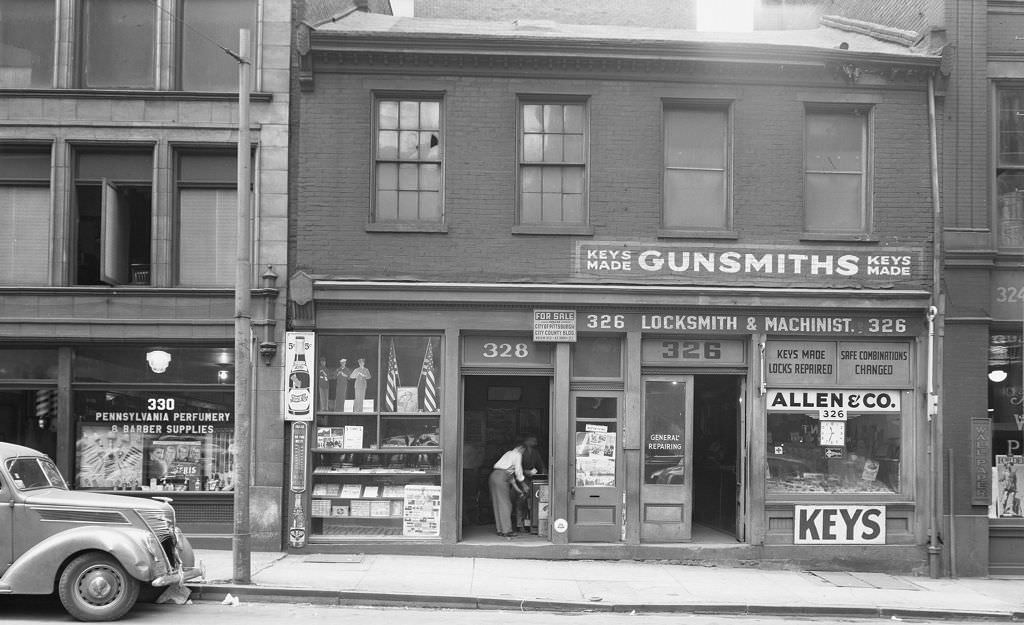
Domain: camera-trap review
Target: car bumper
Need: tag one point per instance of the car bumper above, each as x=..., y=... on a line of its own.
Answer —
x=181, y=575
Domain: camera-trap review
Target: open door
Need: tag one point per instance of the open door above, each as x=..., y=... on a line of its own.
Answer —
x=666, y=494
x=595, y=501
x=115, y=230
x=741, y=461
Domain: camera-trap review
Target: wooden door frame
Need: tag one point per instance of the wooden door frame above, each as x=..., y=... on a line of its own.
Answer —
x=687, y=496
x=620, y=464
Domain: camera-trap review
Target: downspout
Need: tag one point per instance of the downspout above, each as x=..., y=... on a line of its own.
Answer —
x=934, y=458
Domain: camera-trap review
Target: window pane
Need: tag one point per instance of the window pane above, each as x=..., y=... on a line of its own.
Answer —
x=597, y=357
x=552, y=118
x=353, y=360
x=408, y=177
x=387, y=205
x=695, y=199
x=430, y=206
x=388, y=114
x=572, y=209
x=187, y=365
x=533, y=118
x=208, y=167
x=695, y=138
x=408, y=145
x=553, y=148
x=664, y=432
x=197, y=455
x=25, y=234
x=24, y=163
x=430, y=177
x=834, y=203
x=387, y=176
x=572, y=180
x=412, y=379
x=1011, y=126
x=429, y=145
x=834, y=142
x=204, y=67
x=26, y=43
x=28, y=364
x=531, y=179
x=430, y=115
x=531, y=208
x=387, y=144
x=552, y=180
x=551, y=207
x=408, y=206
x=797, y=463
x=572, y=146
x=207, y=234
x=1010, y=193
x=533, y=148
x=409, y=115
x=574, y=118
x=119, y=43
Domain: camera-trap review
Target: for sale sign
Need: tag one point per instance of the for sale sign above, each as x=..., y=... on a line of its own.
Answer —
x=839, y=525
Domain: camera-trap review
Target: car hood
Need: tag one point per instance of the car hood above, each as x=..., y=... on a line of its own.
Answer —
x=59, y=497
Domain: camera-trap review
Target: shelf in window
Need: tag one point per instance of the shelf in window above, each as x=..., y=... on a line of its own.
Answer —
x=326, y=497
x=361, y=518
x=335, y=413
x=416, y=472
x=378, y=450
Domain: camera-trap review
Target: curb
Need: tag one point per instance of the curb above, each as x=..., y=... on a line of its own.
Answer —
x=276, y=594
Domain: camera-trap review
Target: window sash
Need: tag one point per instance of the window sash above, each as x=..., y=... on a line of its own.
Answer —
x=695, y=188
x=118, y=44
x=203, y=67
x=28, y=31
x=552, y=154
x=408, y=160
x=842, y=204
x=206, y=236
x=25, y=235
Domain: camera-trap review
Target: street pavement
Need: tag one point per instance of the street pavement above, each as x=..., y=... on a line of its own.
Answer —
x=603, y=586
x=23, y=611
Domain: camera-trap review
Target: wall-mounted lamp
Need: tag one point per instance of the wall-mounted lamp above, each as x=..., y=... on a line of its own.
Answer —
x=158, y=360
x=268, y=289
x=223, y=375
x=997, y=375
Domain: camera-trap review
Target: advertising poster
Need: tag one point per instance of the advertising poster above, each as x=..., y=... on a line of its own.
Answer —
x=1008, y=488
x=595, y=458
x=298, y=384
x=109, y=460
x=421, y=514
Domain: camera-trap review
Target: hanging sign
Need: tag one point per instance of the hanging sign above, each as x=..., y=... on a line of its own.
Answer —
x=839, y=525
x=554, y=326
x=298, y=383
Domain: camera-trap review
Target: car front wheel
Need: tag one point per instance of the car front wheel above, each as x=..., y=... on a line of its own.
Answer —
x=95, y=587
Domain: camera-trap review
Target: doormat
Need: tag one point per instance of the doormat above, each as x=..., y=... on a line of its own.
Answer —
x=334, y=558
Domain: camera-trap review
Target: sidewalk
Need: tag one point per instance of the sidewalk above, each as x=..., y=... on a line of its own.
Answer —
x=608, y=586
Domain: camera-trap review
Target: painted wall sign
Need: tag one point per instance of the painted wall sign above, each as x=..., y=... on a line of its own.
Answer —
x=837, y=362
x=704, y=322
x=781, y=265
x=299, y=356
x=981, y=461
x=687, y=352
x=816, y=400
x=554, y=326
x=839, y=525
x=504, y=351
x=1007, y=299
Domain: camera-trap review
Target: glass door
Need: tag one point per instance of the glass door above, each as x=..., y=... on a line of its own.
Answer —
x=595, y=502
x=667, y=491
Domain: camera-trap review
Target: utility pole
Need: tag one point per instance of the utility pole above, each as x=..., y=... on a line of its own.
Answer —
x=241, y=544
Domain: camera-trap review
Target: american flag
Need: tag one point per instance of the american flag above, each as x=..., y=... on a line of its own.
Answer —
x=391, y=385
x=428, y=381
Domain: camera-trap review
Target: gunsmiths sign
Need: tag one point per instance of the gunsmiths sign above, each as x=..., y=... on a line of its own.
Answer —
x=628, y=261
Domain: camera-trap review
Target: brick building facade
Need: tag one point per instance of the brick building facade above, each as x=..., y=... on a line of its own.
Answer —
x=729, y=237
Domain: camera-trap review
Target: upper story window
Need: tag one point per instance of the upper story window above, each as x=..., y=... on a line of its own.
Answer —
x=552, y=163
x=124, y=44
x=118, y=44
x=696, y=185
x=836, y=178
x=1010, y=167
x=408, y=168
x=113, y=216
x=207, y=224
x=27, y=43
x=25, y=215
x=204, y=67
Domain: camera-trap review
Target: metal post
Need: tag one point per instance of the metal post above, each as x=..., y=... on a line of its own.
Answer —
x=241, y=543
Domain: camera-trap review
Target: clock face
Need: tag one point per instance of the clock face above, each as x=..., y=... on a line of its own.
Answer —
x=833, y=433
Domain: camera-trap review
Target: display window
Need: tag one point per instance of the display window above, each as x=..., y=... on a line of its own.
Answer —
x=808, y=454
x=377, y=446
x=1006, y=398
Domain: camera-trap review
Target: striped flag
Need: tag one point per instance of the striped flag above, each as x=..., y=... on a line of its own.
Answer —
x=392, y=382
x=428, y=381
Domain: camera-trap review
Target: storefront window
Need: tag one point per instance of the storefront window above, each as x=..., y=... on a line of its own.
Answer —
x=28, y=364
x=808, y=454
x=155, y=440
x=377, y=451
x=597, y=357
x=1005, y=379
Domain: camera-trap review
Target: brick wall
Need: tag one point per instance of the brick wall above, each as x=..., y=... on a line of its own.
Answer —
x=333, y=175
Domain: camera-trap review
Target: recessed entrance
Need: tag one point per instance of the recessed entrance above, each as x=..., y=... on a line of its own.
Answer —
x=498, y=412
x=716, y=443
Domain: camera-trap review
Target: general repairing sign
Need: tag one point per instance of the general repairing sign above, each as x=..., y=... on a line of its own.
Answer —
x=839, y=525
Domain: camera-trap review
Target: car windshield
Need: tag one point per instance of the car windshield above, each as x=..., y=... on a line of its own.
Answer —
x=30, y=473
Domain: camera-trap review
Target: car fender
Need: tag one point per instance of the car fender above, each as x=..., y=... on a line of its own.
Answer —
x=35, y=572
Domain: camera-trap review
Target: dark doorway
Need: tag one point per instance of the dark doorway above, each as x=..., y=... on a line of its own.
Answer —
x=716, y=427
x=497, y=412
